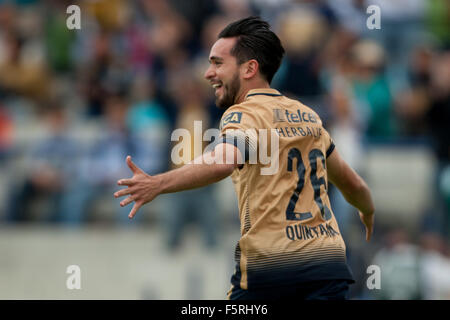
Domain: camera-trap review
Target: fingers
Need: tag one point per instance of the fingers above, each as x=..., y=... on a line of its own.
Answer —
x=370, y=228
x=369, y=231
x=368, y=223
x=132, y=166
x=134, y=210
x=127, y=201
x=368, y=234
x=126, y=182
x=122, y=192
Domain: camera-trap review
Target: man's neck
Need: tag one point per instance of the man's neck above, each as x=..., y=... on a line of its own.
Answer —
x=244, y=90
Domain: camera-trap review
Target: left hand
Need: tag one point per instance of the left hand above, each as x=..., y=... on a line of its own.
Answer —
x=142, y=188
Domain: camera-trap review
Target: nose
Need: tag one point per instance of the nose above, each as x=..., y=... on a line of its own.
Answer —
x=209, y=73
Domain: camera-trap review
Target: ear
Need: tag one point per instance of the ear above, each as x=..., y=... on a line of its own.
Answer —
x=250, y=69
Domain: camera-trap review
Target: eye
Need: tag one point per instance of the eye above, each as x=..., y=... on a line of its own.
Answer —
x=216, y=63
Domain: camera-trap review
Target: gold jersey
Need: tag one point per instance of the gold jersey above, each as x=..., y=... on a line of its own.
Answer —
x=288, y=230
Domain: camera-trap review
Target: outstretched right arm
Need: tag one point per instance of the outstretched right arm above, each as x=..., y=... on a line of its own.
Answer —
x=353, y=188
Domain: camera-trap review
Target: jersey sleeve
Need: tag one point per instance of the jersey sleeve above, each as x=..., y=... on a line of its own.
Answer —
x=329, y=143
x=239, y=127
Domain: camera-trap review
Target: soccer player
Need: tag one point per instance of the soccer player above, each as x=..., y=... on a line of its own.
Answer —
x=290, y=245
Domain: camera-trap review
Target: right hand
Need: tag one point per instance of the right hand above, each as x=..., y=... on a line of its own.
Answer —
x=142, y=188
x=368, y=221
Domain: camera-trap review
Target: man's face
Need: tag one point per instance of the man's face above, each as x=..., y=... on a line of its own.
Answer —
x=223, y=73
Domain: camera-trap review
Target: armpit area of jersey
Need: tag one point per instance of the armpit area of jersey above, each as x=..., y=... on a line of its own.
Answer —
x=240, y=140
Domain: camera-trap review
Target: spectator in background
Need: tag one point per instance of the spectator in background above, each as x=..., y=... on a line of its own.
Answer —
x=101, y=164
x=399, y=261
x=435, y=267
x=111, y=15
x=402, y=25
x=198, y=205
x=22, y=74
x=302, y=32
x=351, y=15
x=58, y=38
x=196, y=13
x=168, y=33
x=346, y=130
x=438, y=113
x=7, y=128
x=98, y=73
x=49, y=167
x=425, y=111
x=149, y=125
x=411, y=103
x=234, y=9
x=438, y=117
x=6, y=132
x=371, y=89
x=438, y=22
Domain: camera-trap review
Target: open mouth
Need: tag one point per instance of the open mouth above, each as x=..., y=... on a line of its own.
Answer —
x=218, y=87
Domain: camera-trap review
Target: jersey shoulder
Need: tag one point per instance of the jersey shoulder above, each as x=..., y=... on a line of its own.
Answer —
x=244, y=114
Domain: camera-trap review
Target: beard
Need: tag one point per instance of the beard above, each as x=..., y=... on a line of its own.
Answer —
x=230, y=93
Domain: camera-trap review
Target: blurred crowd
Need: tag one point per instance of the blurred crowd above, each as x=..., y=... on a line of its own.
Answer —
x=74, y=103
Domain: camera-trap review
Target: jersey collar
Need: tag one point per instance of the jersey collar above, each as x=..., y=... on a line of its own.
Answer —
x=263, y=92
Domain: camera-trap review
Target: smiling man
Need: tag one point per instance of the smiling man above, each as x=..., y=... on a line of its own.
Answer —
x=290, y=245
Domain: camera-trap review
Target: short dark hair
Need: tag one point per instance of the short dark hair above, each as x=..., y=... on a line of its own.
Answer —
x=256, y=41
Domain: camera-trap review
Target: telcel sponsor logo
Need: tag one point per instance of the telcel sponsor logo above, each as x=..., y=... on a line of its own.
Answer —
x=296, y=117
